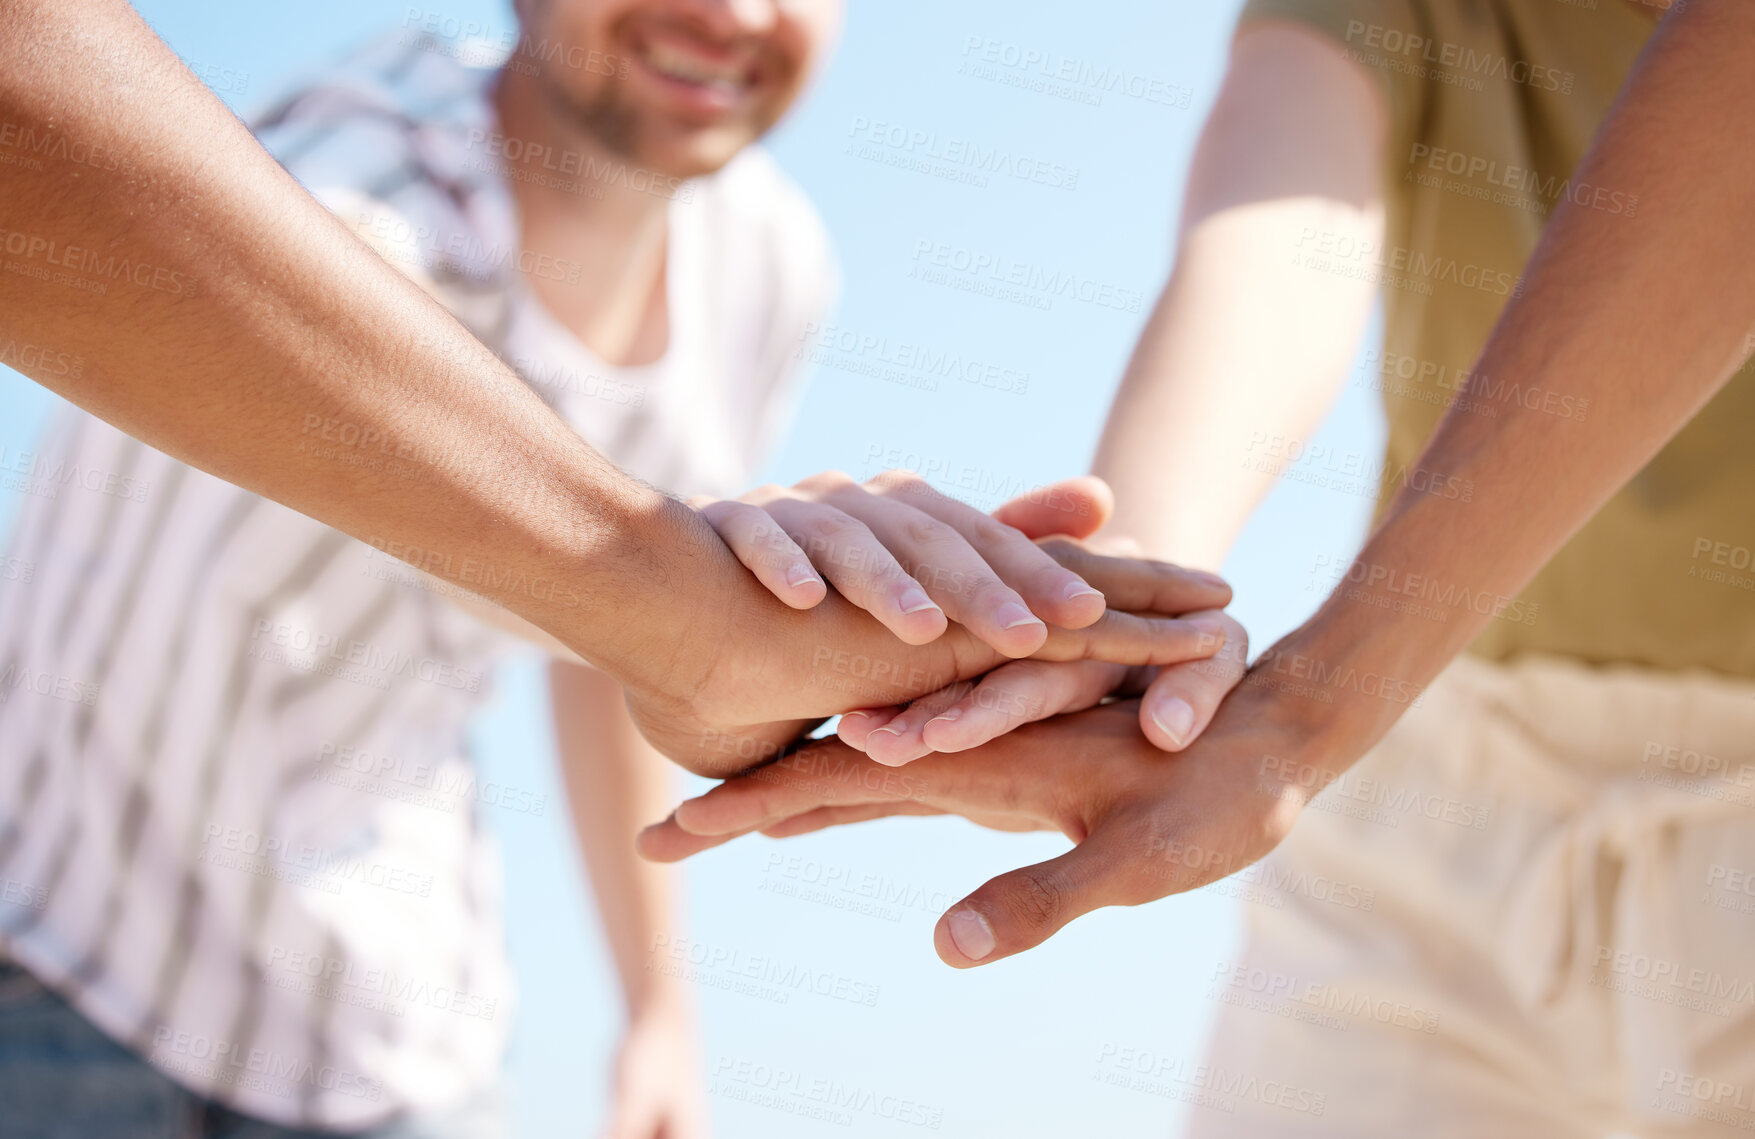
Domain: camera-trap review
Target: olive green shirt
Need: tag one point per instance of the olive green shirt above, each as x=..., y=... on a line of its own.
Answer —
x=1494, y=103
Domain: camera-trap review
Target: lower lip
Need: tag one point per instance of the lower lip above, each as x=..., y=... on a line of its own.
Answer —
x=695, y=98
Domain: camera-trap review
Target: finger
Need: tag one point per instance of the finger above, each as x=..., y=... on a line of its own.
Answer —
x=897, y=741
x=1124, y=638
x=1141, y=585
x=1022, y=909
x=824, y=817
x=861, y=568
x=1181, y=701
x=1019, y=693
x=668, y=842
x=1004, y=560
x=856, y=725
x=827, y=773
x=766, y=550
x=1076, y=507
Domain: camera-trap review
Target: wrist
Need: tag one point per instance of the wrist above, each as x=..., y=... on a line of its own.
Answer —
x=1339, y=682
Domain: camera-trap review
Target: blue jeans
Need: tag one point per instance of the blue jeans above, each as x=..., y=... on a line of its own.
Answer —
x=62, y=1078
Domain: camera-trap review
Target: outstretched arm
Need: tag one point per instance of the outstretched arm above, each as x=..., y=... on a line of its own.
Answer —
x=226, y=319
x=1645, y=316
x=1244, y=345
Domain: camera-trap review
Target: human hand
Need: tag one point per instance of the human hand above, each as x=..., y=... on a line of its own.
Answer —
x=915, y=558
x=657, y=1089
x=1145, y=824
x=722, y=676
x=1178, y=700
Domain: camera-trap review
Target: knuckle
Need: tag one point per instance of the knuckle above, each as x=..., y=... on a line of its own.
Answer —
x=993, y=532
x=826, y=481
x=896, y=478
x=1036, y=899
x=925, y=530
x=834, y=527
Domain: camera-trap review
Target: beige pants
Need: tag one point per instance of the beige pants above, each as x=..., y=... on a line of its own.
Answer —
x=1529, y=912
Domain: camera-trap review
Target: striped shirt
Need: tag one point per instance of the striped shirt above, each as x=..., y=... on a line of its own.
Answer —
x=239, y=828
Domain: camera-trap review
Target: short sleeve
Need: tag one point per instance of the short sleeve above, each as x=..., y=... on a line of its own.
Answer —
x=1375, y=34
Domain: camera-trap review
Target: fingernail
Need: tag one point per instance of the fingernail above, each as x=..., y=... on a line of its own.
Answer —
x=1079, y=589
x=1011, y=615
x=915, y=601
x=948, y=716
x=971, y=934
x=802, y=575
x=1211, y=579
x=1175, y=718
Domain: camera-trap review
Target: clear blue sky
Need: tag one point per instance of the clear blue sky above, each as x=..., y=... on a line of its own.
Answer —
x=1008, y=1050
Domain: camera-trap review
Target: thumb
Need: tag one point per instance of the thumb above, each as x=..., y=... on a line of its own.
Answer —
x=1022, y=909
x=1077, y=507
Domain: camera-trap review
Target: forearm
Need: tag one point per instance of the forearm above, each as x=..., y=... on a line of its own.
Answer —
x=1245, y=346
x=1645, y=316
x=225, y=318
x=616, y=784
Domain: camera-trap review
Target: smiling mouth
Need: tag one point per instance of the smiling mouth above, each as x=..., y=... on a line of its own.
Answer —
x=725, y=79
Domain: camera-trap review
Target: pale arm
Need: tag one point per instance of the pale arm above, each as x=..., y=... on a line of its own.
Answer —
x=616, y=783
x=1243, y=343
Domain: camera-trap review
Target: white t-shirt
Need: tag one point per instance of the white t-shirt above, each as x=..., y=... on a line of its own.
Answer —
x=234, y=795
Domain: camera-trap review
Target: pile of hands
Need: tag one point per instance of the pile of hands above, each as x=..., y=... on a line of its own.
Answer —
x=1006, y=668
